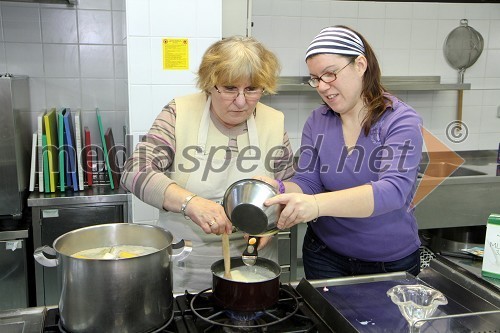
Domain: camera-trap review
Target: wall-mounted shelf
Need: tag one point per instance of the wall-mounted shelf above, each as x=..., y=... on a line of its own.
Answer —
x=65, y=2
x=391, y=83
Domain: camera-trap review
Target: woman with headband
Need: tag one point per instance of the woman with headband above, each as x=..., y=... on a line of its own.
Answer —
x=357, y=171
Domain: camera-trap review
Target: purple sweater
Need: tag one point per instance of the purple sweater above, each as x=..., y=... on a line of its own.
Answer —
x=388, y=159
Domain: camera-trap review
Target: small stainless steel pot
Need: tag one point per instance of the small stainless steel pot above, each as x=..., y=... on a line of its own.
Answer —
x=244, y=206
x=246, y=296
x=118, y=295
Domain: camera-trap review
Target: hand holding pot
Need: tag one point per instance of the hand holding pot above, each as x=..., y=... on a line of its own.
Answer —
x=298, y=208
x=244, y=205
x=270, y=181
x=209, y=215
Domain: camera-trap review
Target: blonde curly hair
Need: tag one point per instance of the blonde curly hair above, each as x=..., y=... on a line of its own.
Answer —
x=235, y=59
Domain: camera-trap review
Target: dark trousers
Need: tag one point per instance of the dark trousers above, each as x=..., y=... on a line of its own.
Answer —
x=322, y=263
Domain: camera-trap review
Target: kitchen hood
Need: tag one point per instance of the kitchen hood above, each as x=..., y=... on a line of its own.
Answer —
x=67, y=2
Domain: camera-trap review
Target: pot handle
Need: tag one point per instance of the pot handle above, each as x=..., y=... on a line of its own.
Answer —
x=250, y=254
x=186, y=246
x=42, y=259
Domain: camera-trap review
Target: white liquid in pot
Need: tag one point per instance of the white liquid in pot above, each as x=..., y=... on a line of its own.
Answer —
x=250, y=274
x=115, y=252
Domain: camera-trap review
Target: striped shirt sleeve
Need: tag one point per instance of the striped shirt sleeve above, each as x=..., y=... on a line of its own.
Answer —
x=144, y=173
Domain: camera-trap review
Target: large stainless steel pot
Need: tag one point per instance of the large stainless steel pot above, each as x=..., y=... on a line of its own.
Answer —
x=246, y=296
x=118, y=295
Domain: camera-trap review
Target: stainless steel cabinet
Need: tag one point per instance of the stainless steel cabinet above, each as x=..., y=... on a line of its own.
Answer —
x=14, y=163
x=13, y=269
x=56, y=214
x=287, y=254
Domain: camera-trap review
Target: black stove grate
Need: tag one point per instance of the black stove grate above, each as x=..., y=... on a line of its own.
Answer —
x=175, y=325
x=290, y=315
x=286, y=307
x=185, y=320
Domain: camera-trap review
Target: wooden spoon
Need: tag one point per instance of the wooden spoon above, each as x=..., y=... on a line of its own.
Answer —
x=227, y=256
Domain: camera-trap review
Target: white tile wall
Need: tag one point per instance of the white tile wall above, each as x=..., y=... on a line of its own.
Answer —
x=21, y=24
x=399, y=10
x=74, y=56
x=1, y=26
x=118, y=5
x=97, y=61
x=98, y=93
x=141, y=115
x=138, y=20
x=146, y=27
x=72, y=93
x=59, y=25
x=408, y=39
x=119, y=27
x=96, y=4
x=24, y=59
x=61, y=60
x=372, y=10
x=121, y=94
x=95, y=27
x=150, y=86
x=120, y=61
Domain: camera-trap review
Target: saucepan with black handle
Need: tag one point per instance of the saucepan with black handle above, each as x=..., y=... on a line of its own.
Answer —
x=254, y=282
x=250, y=288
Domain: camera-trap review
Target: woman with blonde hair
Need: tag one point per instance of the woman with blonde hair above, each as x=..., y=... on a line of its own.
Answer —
x=201, y=143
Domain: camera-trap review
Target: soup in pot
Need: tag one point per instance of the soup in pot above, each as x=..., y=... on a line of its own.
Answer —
x=115, y=252
x=250, y=274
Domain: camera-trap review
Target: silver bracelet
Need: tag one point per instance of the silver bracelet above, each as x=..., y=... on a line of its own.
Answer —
x=184, y=205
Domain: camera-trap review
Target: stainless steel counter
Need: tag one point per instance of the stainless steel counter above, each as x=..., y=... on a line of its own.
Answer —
x=13, y=234
x=14, y=264
x=360, y=303
x=474, y=267
x=463, y=200
x=29, y=320
x=92, y=195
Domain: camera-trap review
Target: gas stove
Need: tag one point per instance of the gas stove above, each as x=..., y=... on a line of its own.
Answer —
x=347, y=305
x=198, y=313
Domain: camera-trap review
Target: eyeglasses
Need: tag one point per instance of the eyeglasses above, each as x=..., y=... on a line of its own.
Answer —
x=327, y=77
x=231, y=93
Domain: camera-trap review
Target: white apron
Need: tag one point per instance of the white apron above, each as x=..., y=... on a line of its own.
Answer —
x=194, y=273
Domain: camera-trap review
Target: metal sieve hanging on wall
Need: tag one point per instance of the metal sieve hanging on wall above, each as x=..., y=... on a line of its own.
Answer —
x=462, y=48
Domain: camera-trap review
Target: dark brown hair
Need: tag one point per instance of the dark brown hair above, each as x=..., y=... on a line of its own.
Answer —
x=373, y=92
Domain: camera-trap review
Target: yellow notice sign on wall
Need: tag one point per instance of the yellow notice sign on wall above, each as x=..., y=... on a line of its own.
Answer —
x=175, y=53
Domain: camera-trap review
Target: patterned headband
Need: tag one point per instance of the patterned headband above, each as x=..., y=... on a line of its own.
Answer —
x=337, y=41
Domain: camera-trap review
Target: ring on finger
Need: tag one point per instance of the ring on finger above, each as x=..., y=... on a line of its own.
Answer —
x=211, y=223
